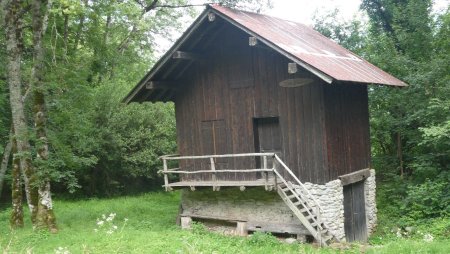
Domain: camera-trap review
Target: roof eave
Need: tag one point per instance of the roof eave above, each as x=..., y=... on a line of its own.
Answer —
x=166, y=57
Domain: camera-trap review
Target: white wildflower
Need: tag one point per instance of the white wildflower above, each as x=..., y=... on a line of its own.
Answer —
x=114, y=227
x=109, y=232
x=103, y=216
x=428, y=237
x=111, y=217
x=126, y=219
x=62, y=250
x=95, y=230
x=100, y=222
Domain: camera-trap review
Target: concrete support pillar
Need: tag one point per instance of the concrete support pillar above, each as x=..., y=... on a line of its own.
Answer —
x=241, y=228
x=186, y=222
x=301, y=238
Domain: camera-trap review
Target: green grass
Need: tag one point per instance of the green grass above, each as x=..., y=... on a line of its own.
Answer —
x=150, y=228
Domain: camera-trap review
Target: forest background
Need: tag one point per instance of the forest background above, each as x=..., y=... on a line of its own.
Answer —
x=94, y=52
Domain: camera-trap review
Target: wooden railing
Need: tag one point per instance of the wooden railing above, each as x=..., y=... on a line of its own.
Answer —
x=264, y=170
x=283, y=178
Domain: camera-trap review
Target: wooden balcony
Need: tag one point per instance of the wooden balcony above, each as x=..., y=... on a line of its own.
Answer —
x=265, y=173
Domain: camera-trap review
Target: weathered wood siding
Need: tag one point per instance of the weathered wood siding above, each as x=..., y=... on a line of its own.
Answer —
x=347, y=128
x=222, y=95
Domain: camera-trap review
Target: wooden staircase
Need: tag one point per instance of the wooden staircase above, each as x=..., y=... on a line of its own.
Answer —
x=302, y=204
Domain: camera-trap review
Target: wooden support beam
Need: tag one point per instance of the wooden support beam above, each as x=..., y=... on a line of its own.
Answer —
x=354, y=177
x=186, y=55
x=292, y=68
x=252, y=41
x=160, y=85
x=211, y=17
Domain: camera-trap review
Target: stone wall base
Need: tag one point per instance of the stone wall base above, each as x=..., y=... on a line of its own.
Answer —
x=265, y=211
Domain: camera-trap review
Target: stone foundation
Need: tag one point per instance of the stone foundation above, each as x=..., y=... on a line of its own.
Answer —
x=266, y=211
x=262, y=210
x=371, y=205
x=330, y=197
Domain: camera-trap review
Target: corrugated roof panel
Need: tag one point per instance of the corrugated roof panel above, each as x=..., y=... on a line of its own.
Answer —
x=311, y=47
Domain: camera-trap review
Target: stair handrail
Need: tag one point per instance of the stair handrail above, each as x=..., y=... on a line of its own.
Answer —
x=299, y=183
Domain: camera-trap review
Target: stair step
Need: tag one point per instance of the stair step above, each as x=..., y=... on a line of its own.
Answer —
x=299, y=203
x=305, y=210
x=285, y=189
x=291, y=196
x=310, y=217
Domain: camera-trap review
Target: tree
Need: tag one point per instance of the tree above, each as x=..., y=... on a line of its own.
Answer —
x=82, y=136
x=45, y=215
x=13, y=31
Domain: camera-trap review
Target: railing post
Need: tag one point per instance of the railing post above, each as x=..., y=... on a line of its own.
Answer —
x=213, y=176
x=319, y=225
x=265, y=175
x=274, y=165
x=166, y=178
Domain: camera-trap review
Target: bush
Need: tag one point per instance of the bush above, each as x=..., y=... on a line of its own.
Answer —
x=263, y=238
x=427, y=200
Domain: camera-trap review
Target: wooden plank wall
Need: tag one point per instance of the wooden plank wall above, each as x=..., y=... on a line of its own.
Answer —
x=347, y=128
x=237, y=83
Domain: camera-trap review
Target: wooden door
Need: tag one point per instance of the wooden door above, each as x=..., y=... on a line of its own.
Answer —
x=355, y=212
x=267, y=137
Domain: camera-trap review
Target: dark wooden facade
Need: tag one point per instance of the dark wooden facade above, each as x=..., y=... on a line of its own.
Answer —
x=231, y=102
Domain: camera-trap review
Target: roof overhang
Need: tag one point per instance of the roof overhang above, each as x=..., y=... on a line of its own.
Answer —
x=227, y=15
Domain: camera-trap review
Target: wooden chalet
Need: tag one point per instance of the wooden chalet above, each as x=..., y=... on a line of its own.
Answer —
x=275, y=116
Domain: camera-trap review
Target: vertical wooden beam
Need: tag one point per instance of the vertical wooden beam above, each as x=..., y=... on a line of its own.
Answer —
x=166, y=178
x=319, y=226
x=213, y=175
x=265, y=174
x=274, y=167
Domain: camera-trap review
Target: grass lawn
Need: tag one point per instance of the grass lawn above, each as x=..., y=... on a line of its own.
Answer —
x=146, y=224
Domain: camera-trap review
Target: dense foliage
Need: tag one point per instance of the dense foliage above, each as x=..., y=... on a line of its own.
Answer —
x=410, y=127
x=95, y=52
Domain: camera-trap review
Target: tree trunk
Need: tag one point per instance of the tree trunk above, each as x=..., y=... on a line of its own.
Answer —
x=80, y=27
x=66, y=33
x=400, y=153
x=5, y=160
x=16, y=220
x=13, y=31
x=45, y=216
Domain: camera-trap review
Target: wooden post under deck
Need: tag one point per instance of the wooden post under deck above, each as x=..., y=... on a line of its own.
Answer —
x=265, y=175
x=166, y=178
x=213, y=176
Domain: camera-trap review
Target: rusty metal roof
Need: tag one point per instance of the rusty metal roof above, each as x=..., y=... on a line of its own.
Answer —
x=299, y=43
x=315, y=52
